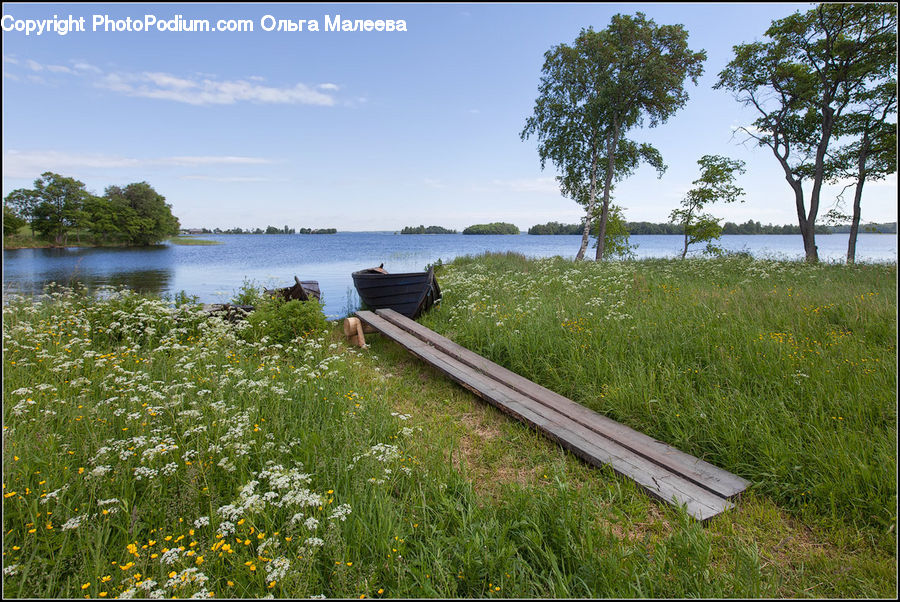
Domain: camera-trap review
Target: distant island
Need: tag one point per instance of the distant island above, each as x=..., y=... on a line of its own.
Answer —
x=556, y=228
x=429, y=230
x=492, y=228
x=748, y=227
x=318, y=231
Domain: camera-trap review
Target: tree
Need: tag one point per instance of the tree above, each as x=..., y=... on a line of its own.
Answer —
x=801, y=81
x=592, y=93
x=23, y=203
x=106, y=219
x=59, y=207
x=616, y=238
x=873, y=153
x=11, y=221
x=716, y=183
x=141, y=214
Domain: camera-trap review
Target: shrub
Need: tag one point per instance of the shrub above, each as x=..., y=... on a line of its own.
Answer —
x=283, y=321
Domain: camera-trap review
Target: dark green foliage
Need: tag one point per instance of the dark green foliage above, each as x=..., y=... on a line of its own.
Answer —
x=23, y=203
x=11, y=221
x=283, y=321
x=58, y=205
x=492, y=228
x=818, y=77
x=593, y=92
x=142, y=215
x=556, y=228
x=616, y=235
x=429, y=230
x=716, y=183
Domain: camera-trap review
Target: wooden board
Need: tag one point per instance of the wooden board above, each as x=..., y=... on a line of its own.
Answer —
x=720, y=482
x=570, y=432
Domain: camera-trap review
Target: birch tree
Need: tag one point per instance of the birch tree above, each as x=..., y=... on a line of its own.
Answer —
x=594, y=92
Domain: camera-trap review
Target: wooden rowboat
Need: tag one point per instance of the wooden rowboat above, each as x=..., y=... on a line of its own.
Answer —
x=302, y=291
x=409, y=294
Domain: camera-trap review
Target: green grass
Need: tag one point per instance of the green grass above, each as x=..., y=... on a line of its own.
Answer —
x=131, y=427
x=191, y=241
x=24, y=239
x=781, y=372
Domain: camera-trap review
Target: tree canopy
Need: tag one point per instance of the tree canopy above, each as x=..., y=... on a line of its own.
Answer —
x=58, y=205
x=492, y=228
x=716, y=183
x=593, y=92
x=813, y=72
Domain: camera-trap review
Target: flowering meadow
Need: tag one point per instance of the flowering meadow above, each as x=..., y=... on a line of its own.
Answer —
x=153, y=451
x=781, y=372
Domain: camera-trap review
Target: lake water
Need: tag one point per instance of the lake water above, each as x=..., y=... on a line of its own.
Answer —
x=214, y=273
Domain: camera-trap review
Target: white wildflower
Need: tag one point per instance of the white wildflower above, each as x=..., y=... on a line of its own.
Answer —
x=341, y=512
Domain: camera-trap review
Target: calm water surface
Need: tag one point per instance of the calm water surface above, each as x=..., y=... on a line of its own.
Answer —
x=215, y=273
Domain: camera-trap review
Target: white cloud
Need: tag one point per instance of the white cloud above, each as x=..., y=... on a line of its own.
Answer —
x=36, y=66
x=206, y=91
x=30, y=164
x=196, y=89
x=84, y=66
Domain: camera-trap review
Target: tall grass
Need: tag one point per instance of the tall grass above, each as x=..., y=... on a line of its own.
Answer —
x=153, y=451
x=781, y=372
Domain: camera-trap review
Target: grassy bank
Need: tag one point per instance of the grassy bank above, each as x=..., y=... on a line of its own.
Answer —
x=150, y=451
x=781, y=372
x=23, y=239
x=191, y=241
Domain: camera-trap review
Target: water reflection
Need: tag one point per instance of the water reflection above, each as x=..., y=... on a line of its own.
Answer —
x=154, y=282
x=143, y=269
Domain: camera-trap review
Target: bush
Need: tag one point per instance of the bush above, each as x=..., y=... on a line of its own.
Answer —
x=283, y=321
x=247, y=294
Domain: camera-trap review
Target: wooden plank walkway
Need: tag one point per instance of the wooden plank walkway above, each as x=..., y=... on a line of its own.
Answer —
x=665, y=472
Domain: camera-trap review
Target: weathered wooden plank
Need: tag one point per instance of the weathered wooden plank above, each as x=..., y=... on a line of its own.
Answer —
x=703, y=473
x=596, y=450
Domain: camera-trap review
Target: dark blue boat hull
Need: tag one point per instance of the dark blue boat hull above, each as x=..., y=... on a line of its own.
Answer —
x=409, y=294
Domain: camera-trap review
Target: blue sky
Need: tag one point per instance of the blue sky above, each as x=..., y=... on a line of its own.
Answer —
x=358, y=130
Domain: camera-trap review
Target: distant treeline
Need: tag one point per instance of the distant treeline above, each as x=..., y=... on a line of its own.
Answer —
x=268, y=230
x=556, y=228
x=748, y=227
x=318, y=230
x=429, y=230
x=492, y=228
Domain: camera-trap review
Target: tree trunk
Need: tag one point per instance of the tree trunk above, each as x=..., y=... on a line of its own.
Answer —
x=809, y=228
x=684, y=252
x=586, y=233
x=607, y=185
x=854, y=225
x=857, y=197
